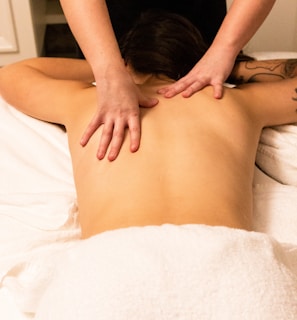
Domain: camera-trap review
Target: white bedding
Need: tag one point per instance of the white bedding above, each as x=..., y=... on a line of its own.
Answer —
x=38, y=213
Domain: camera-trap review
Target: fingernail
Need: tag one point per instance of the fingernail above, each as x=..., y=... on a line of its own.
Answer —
x=111, y=157
x=82, y=142
x=100, y=156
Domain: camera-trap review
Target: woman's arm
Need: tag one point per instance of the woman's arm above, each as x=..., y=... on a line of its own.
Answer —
x=60, y=68
x=273, y=98
x=48, y=89
x=240, y=24
x=120, y=99
x=90, y=23
x=263, y=71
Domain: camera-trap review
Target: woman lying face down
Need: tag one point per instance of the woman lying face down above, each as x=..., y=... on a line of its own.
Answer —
x=196, y=160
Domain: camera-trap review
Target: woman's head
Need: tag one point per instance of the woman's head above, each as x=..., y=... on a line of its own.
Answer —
x=162, y=43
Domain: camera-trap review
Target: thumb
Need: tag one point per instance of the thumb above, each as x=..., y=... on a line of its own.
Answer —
x=147, y=102
x=218, y=91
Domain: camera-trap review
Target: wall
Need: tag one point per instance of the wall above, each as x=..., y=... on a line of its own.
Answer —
x=279, y=31
x=22, y=26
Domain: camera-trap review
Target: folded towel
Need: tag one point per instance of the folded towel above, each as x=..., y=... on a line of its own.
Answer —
x=277, y=153
x=174, y=272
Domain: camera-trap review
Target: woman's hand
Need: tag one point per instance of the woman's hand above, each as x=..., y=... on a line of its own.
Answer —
x=212, y=69
x=119, y=100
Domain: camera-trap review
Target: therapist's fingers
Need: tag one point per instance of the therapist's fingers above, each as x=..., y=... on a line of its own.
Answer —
x=113, y=135
x=218, y=90
x=135, y=133
x=95, y=123
x=175, y=88
x=119, y=133
x=187, y=86
x=106, y=137
x=193, y=88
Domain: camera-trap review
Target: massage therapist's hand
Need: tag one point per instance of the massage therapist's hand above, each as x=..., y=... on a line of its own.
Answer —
x=213, y=69
x=119, y=100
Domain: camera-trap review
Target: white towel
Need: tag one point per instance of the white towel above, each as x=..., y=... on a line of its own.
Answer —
x=277, y=153
x=275, y=211
x=174, y=272
x=33, y=227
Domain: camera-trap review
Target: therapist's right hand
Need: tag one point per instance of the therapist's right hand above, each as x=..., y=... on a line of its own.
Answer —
x=118, y=99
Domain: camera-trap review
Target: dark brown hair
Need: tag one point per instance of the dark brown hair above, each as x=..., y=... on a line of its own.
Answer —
x=163, y=43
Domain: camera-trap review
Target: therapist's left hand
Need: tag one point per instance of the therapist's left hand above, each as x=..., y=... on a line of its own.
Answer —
x=213, y=69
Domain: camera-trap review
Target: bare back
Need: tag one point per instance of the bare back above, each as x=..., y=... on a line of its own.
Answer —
x=196, y=159
x=195, y=165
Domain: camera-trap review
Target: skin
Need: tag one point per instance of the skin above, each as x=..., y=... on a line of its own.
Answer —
x=196, y=161
x=118, y=111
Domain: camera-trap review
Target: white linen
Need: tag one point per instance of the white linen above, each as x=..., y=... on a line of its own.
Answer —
x=275, y=211
x=38, y=212
x=270, y=55
x=174, y=272
x=277, y=153
x=34, y=154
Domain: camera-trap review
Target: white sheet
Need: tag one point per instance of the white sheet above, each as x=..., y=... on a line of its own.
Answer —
x=37, y=204
x=275, y=198
x=38, y=214
x=34, y=155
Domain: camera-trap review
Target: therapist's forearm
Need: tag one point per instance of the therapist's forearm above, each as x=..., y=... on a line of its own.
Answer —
x=242, y=21
x=90, y=23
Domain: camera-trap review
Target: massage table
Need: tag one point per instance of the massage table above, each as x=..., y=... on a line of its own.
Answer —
x=39, y=215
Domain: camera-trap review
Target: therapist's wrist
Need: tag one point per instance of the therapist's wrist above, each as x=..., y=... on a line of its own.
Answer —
x=112, y=71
